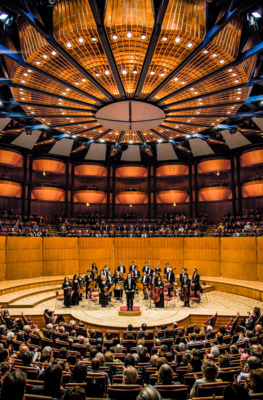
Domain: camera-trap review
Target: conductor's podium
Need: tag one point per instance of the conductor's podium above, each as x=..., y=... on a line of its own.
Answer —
x=124, y=312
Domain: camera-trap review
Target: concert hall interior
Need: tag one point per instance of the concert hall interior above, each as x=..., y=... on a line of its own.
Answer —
x=131, y=199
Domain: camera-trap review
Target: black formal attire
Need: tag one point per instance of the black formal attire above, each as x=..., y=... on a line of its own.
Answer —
x=160, y=303
x=145, y=281
x=145, y=269
x=196, y=281
x=122, y=269
x=75, y=297
x=93, y=271
x=81, y=282
x=67, y=296
x=181, y=276
x=129, y=287
x=187, y=282
x=88, y=279
x=171, y=279
x=109, y=283
x=117, y=292
x=132, y=268
x=158, y=270
x=103, y=298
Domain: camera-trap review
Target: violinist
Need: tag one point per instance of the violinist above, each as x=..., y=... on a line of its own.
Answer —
x=93, y=270
x=103, y=286
x=145, y=281
x=158, y=269
x=75, y=285
x=159, y=292
x=185, y=288
x=81, y=286
x=171, y=279
x=118, y=291
x=132, y=267
x=88, y=279
x=67, y=292
x=136, y=273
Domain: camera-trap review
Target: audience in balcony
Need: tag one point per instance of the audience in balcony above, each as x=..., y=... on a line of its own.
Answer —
x=16, y=225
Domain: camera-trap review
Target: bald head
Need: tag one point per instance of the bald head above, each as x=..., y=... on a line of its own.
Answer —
x=130, y=375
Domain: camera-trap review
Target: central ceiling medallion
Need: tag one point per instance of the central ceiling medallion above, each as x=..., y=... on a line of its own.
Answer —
x=130, y=115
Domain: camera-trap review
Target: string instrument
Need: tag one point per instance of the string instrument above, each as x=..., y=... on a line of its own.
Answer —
x=184, y=294
x=69, y=291
x=81, y=288
x=119, y=284
x=153, y=294
x=108, y=289
x=145, y=291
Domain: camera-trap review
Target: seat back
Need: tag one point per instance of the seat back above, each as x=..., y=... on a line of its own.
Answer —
x=36, y=397
x=127, y=392
x=96, y=385
x=208, y=389
x=179, y=392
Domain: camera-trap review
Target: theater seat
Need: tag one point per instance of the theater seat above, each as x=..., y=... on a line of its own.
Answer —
x=127, y=392
x=179, y=392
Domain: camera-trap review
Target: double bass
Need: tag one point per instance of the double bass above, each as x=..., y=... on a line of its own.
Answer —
x=184, y=294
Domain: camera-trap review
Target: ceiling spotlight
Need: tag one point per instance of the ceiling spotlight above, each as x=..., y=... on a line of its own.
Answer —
x=124, y=71
x=234, y=74
x=190, y=44
x=97, y=74
x=38, y=62
x=162, y=74
x=45, y=56
x=81, y=40
x=54, y=53
x=174, y=204
x=129, y=34
x=256, y=14
x=22, y=98
x=130, y=141
x=107, y=72
x=74, y=136
x=214, y=55
x=175, y=79
x=69, y=45
x=102, y=140
x=205, y=51
x=178, y=39
x=23, y=81
x=160, y=140
x=143, y=36
x=93, y=39
x=183, y=83
x=192, y=88
x=187, y=136
x=29, y=70
x=222, y=61
x=83, y=80
x=164, y=38
x=25, y=74
x=196, y=92
x=230, y=70
x=115, y=37
x=238, y=98
x=152, y=72
x=76, y=83
x=87, y=204
x=135, y=71
x=68, y=89
x=3, y=16
x=236, y=81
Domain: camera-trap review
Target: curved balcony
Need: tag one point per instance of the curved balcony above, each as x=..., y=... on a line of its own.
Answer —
x=89, y=195
x=176, y=169
x=91, y=170
x=251, y=157
x=131, y=196
x=215, y=192
x=48, y=192
x=11, y=158
x=253, y=188
x=131, y=171
x=10, y=188
x=49, y=165
x=173, y=196
x=214, y=165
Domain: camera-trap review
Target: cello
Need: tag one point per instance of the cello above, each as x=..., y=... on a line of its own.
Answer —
x=184, y=294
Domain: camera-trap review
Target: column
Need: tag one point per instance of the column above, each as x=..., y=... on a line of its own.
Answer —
x=233, y=187
x=29, y=186
x=196, y=189
x=24, y=185
x=72, y=191
x=113, y=194
x=190, y=192
x=154, y=193
x=66, y=189
x=149, y=193
x=108, y=191
x=239, y=189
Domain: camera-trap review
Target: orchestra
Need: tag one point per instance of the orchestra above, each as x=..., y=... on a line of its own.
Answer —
x=153, y=282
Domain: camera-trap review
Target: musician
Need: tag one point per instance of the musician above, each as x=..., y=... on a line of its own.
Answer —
x=121, y=268
x=81, y=286
x=185, y=285
x=99, y=278
x=145, y=281
x=196, y=281
x=150, y=271
x=159, y=291
x=184, y=270
x=93, y=270
x=106, y=269
x=103, y=286
x=171, y=279
x=132, y=267
x=67, y=287
x=88, y=280
x=167, y=265
x=129, y=287
x=158, y=269
x=75, y=286
x=137, y=273
x=118, y=292
x=146, y=267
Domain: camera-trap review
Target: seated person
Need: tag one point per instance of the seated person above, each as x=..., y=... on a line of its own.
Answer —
x=52, y=383
x=210, y=373
x=130, y=376
x=165, y=376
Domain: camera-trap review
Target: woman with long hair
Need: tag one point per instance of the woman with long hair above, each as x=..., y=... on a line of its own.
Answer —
x=75, y=286
x=67, y=288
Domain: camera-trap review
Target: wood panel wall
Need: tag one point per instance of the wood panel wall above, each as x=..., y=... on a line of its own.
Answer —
x=236, y=258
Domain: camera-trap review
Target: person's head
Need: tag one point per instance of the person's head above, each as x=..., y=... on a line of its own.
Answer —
x=108, y=357
x=235, y=392
x=209, y=370
x=130, y=327
x=27, y=358
x=185, y=275
x=165, y=375
x=256, y=380
x=14, y=386
x=223, y=361
x=3, y=355
x=95, y=363
x=254, y=363
x=53, y=379
x=71, y=359
x=130, y=375
x=215, y=351
x=129, y=360
x=149, y=393
x=75, y=393
x=144, y=327
x=234, y=349
x=154, y=359
x=161, y=361
x=66, y=279
x=129, y=275
x=80, y=372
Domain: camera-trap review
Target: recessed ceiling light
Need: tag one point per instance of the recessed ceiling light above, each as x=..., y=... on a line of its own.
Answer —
x=38, y=62
x=29, y=71
x=93, y=39
x=229, y=112
x=76, y=83
x=135, y=71
x=45, y=56
x=233, y=107
x=25, y=74
x=200, y=103
x=238, y=98
x=83, y=80
x=160, y=140
x=107, y=72
x=23, y=81
x=236, y=81
x=22, y=98
x=152, y=72
x=205, y=51
x=124, y=71
x=164, y=38
x=130, y=141
x=196, y=92
x=190, y=44
x=102, y=140
x=64, y=93
x=175, y=79
x=234, y=74
x=192, y=88
x=143, y=36
x=230, y=70
x=81, y=40
x=54, y=53
x=60, y=99
x=214, y=55
x=114, y=37
x=69, y=45
x=222, y=61
x=129, y=34
x=198, y=112
x=183, y=83
x=162, y=74
x=188, y=136
x=32, y=112
x=97, y=74
x=178, y=39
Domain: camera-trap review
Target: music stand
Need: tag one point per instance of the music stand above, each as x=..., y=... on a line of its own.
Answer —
x=150, y=306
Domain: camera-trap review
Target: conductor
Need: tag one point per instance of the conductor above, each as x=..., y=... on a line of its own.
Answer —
x=129, y=287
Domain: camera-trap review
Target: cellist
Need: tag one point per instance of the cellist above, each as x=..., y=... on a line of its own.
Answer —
x=185, y=290
x=159, y=292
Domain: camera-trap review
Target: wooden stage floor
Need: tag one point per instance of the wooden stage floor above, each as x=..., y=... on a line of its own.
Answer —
x=226, y=304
